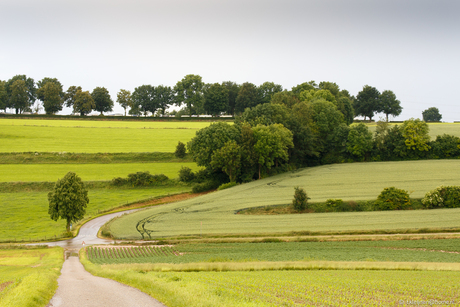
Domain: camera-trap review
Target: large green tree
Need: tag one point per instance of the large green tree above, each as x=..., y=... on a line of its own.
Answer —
x=68, y=200
x=432, y=115
x=70, y=94
x=3, y=96
x=19, y=98
x=367, y=102
x=248, y=97
x=164, y=97
x=359, y=142
x=83, y=103
x=50, y=93
x=271, y=145
x=233, y=90
x=210, y=139
x=103, y=102
x=24, y=104
x=53, y=98
x=189, y=91
x=388, y=104
x=416, y=134
x=228, y=159
x=144, y=99
x=267, y=90
x=215, y=99
x=124, y=99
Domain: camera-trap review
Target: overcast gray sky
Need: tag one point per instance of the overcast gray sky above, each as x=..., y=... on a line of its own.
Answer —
x=411, y=47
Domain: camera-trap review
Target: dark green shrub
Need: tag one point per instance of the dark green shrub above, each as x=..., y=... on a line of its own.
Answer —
x=336, y=205
x=118, y=181
x=202, y=175
x=180, y=150
x=205, y=186
x=300, y=199
x=392, y=199
x=186, y=174
x=227, y=185
x=145, y=179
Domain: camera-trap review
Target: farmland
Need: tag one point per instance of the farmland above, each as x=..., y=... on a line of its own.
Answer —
x=434, y=250
x=330, y=287
x=88, y=172
x=28, y=277
x=214, y=213
x=93, y=136
x=24, y=215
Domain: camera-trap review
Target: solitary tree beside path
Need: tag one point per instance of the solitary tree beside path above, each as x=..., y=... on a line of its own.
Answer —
x=68, y=199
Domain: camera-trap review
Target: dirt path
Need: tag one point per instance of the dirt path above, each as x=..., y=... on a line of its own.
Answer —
x=79, y=288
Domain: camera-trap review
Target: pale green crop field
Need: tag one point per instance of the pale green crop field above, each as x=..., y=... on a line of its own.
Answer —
x=94, y=136
x=87, y=172
x=214, y=213
x=310, y=287
x=29, y=277
x=24, y=215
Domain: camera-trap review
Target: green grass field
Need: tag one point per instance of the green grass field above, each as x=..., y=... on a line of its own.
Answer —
x=435, y=250
x=214, y=213
x=87, y=172
x=332, y=286
x=24, y=215
x=18, y=135
x=28, y=277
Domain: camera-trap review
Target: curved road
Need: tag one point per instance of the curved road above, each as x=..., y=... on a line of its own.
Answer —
x=88, y=233
x=77, y=287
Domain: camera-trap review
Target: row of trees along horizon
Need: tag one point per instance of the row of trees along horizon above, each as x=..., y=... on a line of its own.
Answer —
x=195, y=96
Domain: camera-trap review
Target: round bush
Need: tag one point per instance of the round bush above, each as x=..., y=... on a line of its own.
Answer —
x=392, y=199
x=442, y=197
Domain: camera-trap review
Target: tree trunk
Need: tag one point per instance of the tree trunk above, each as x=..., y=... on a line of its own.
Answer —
x=68, y=226
x=387, y=117
x=259, y=171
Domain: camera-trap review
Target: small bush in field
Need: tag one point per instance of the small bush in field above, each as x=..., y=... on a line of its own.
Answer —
x=442, y=197
x=180, y=150
x=186, y=174
x=392, y=199
x=300, y=199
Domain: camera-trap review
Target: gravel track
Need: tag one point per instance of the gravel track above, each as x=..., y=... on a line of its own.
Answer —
x=79, y=288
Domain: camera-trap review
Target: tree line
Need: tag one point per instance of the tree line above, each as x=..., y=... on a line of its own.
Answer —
x=283, y=135
x=193, y=95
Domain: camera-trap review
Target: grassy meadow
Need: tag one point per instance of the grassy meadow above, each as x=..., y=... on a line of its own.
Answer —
x=28, y=277
x=24, y=215
x=26, y=135
x=87, y=172
x=215, y=213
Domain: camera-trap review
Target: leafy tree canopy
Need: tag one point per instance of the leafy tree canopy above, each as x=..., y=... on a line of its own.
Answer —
x=367, y=102
x=388, y=104
x=216, y=99
x=248, y=97
x=189, y=91
x=68, y=200
x=83, y=103
x=124, y=99
x=210, y=139
x=102, y=100
x=431, y=115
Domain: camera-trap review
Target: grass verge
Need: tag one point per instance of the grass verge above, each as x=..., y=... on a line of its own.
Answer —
x=28, y=277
